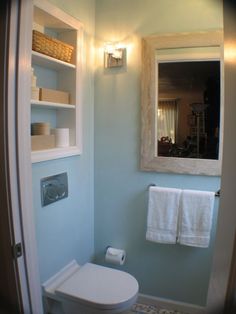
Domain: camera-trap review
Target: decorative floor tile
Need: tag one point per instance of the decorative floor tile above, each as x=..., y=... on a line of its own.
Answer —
x=139, y=308
x=163, y=311
x=143, y=308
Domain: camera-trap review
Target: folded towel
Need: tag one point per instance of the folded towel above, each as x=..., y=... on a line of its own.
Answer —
x=195, y=220
x=162, y=220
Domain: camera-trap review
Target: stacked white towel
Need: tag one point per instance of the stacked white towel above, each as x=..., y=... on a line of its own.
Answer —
x=195, y=220
x=162, y=220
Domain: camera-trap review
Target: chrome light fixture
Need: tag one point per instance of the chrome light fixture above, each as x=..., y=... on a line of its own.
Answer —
x=114, y=56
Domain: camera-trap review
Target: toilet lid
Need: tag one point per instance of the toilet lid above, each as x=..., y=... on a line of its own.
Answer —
x=100, y=287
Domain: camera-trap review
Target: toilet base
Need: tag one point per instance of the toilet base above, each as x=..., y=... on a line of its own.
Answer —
x=71, y=307
x=53, y=306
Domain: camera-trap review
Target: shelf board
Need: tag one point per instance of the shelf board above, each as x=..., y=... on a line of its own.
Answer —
x=50, y=105
x=49, y=62
x=54, y=153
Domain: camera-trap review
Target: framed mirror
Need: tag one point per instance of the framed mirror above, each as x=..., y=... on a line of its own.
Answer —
x=182, y=103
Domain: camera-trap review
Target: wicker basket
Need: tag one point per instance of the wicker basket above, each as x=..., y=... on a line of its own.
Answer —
x=51, y=47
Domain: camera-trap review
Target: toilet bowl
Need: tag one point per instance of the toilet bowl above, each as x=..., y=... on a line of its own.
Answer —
x=89, y=289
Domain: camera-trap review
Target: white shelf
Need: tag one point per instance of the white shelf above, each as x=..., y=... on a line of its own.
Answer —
x=50, y=105
x=54, y=153
x=49, y=62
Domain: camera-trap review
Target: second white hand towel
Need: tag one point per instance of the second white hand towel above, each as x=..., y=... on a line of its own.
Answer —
x=195, y=219
x=162, y=220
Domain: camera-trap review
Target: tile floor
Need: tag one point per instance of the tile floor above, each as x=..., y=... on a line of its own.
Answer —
x=139, y=308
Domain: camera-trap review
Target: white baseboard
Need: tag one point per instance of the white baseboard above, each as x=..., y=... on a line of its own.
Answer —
x=171, y=305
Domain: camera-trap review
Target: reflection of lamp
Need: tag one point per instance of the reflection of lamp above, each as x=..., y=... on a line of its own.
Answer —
x=114, y=56
x=197, y=109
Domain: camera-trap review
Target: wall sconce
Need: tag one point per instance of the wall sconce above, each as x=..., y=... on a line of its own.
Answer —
x=114, y=56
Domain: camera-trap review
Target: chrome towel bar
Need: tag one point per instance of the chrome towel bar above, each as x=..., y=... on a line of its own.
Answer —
x=216, y=193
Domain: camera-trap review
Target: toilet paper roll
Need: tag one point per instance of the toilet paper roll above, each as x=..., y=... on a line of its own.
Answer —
x=62, y=137
x=115, y=256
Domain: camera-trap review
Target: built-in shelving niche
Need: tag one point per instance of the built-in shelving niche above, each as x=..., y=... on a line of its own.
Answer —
x=56, y=74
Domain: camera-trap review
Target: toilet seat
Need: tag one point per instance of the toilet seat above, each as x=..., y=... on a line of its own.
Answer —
x=93, y=285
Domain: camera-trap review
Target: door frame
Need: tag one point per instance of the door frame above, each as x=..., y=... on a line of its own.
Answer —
x=11, y=300
x=225, y=233
x=25, y=184
x=15, y=154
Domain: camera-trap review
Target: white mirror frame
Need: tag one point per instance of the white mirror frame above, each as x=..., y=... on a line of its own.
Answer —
x=150, y=161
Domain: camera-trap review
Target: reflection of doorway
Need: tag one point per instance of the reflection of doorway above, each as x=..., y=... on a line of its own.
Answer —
x=212, y=114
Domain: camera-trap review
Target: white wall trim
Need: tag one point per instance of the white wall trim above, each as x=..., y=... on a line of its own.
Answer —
x=24, y=156
x=171, y=304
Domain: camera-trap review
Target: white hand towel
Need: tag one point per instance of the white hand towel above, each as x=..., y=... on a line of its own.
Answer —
x=162, y=220
x=195, y=221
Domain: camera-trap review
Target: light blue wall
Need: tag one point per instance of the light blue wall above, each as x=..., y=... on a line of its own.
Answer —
x=65, y=230
x=169, y=271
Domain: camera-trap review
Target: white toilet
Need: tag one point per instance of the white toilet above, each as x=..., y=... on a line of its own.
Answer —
x=89, y=289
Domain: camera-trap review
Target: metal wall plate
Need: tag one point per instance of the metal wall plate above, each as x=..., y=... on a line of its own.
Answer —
x=54, y=188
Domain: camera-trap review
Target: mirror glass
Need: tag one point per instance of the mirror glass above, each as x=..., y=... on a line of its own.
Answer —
x=188, y=109
x=182, y=103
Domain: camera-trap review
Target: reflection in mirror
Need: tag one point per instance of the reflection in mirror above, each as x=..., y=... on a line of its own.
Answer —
x=182, y=103
x=188, y=112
